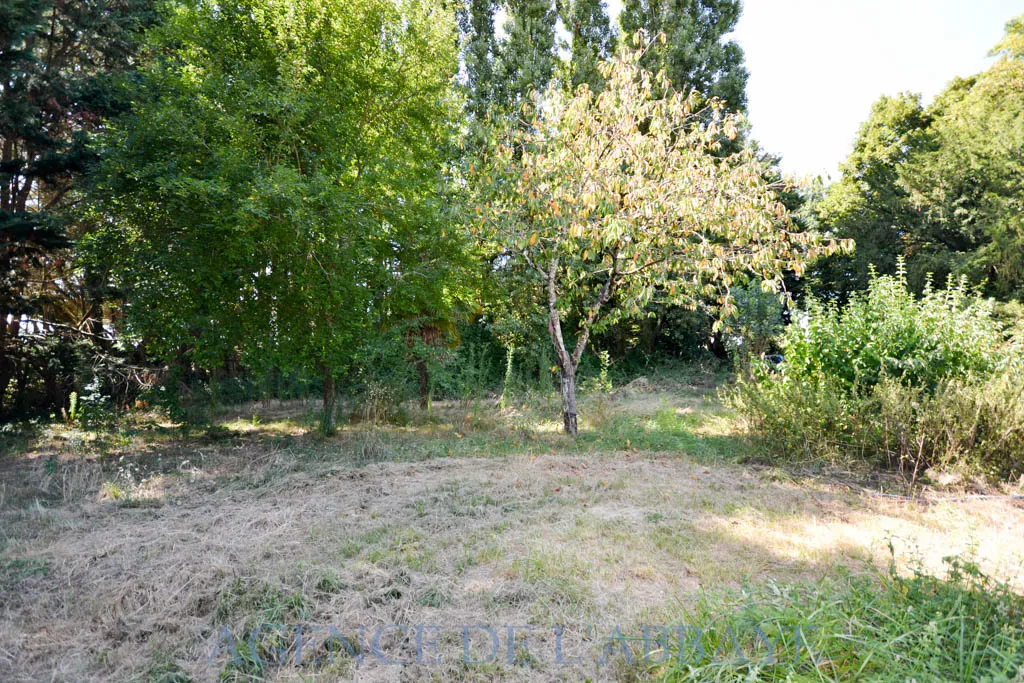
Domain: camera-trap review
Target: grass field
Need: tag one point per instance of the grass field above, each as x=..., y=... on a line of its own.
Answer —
x=155, y=552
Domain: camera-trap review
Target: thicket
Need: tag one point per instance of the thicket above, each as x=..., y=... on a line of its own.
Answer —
x=894, y=380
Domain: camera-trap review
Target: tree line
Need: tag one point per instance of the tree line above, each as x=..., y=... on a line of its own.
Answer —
x=329, y=190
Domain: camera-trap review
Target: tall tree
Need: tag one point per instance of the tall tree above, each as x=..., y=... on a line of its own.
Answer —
x=611, y=199
x=870, y=205
x=59, y=65
x=591, y=41
x=527, y=54
x=969, y=184
x=695, y=54
x=277, y=191
x=939, y=187
x=479, y=51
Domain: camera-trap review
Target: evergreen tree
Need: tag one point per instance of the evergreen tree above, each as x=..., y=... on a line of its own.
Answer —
x=693, y=55
x=58, y=82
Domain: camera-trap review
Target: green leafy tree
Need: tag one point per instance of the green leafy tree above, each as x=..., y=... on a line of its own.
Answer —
x=278, y=191
x=969, y=184
x=870, y=204
x=613, y=198
x=939, y=187
x=479, y=51
x=695, y=54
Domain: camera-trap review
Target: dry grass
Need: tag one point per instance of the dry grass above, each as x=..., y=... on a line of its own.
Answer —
x=128, y=566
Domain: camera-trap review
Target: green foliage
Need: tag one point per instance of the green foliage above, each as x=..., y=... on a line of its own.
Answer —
x=756, y=322
x=61, y=64
x=968, y=184
x=605, y=200
x=479, y=51
x=893, y=379
x=591, y=41
x=938, y=186
x=874, y=626
x=279, y=189
x=695, y=54
x=870, y=205
x=527, y=58
x=887, y=332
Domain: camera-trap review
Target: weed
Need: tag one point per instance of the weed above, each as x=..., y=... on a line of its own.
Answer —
x=877, y=625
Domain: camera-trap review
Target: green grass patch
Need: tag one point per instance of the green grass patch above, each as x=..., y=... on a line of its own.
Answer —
x=873, y=626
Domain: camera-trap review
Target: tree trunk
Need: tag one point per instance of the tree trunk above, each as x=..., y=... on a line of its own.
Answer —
x=330, y=396
x=423, y=372
x=568, y=383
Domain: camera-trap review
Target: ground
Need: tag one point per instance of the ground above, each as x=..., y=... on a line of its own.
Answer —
x=154, y=552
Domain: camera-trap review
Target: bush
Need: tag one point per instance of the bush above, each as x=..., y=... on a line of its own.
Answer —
x=891, y=380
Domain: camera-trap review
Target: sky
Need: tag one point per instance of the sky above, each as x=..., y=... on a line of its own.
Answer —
x=817, y=66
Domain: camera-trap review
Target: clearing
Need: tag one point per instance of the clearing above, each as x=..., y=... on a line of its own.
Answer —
x=149, y=552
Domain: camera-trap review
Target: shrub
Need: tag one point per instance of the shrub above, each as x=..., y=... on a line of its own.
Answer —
x=891, y=380
x=885, y=332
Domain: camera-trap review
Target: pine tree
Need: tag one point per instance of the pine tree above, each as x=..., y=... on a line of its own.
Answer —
x=58, y=70
x=694, y=55
x=592, y=41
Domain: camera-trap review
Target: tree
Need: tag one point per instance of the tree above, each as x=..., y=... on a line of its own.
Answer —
x=527, y=58
x=591, y=41
x=277, y=193
x=870, y=205
x=968, y=184
x=479, y=51
x=939, y=187
x=611, y=198
x=694, y=54
x=59, y=67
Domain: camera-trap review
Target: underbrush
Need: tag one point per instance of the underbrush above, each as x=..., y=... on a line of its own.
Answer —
x=874, y=626
x=892, y=381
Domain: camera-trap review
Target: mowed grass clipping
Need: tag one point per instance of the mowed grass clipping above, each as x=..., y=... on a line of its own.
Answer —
x=126, y=555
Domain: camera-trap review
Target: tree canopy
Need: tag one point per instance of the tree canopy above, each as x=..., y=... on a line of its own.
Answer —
x=695, y=54
x=277, y=188
x=938, y=186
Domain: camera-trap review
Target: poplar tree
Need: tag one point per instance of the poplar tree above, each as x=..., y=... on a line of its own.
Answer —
x=527, y=60
x=479, y=51
x=591, y=41
x=695, y=54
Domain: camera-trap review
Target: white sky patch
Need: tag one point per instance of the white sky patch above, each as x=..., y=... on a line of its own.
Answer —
x=817, y=66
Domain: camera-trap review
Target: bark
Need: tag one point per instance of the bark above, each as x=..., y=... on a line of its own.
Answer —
x=568, y=386
x=569, y=363
x=424, y=379
x=330, y=399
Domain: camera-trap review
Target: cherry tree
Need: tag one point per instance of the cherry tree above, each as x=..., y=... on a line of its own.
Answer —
x=614, y=198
